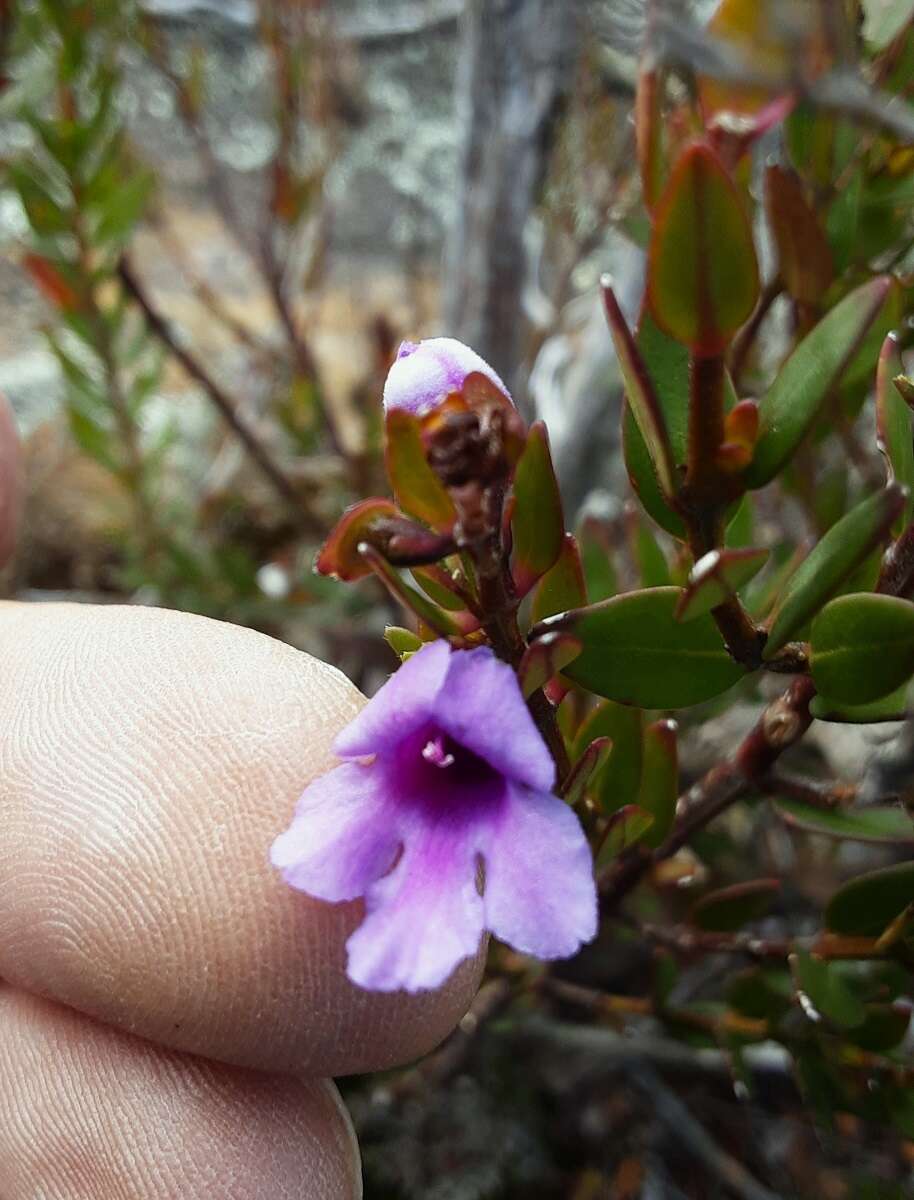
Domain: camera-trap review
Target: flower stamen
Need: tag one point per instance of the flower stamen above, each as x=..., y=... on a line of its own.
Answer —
x=434, y=752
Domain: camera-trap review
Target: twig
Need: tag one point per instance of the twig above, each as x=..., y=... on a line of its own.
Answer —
x=745, y=339
x=222, y=401
x=671, y=1111
x=603, y=1049
x=688, y=940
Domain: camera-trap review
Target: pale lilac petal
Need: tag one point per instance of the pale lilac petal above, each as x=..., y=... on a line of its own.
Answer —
x=425, y=373
x=422, y=919
x=342, y=838
x=481, y=707
x=400, y=707
x=540, y=896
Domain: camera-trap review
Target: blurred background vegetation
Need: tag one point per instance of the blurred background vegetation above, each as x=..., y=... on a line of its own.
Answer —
x=220, y=217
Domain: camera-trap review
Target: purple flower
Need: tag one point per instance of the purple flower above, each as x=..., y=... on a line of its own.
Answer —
x=459, y=776
x=425, y=373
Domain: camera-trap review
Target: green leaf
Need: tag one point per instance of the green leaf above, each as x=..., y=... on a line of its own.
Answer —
x=884, y=1027
x=867, y=905
x=434, y=617
x=808, y=377
x=402, y=641
x=636, y=652
x=122, y=208
x=93, y=438
x=820, y=1084
x=415, y=485
x=653, y=569
x=667, y=364
x=562, y=587
x=702, y=276
x=740, y=531
x=761, y=992
x=659, y=788
x=858, y=825
x=639, y=393
x=537, y=523
x=439, y=585
x=597, y=560
x=862, y=647
x=625, y=829
x=716, y=578
x=644, y=481
x=894, y=435
x=889, y=708
x=858, y=377
x=727, y=909
x=832, y=561
x=618, y=781
x=828, y=992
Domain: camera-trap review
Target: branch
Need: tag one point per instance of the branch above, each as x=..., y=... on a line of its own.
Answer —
x=258, y=452
x=682, y=1125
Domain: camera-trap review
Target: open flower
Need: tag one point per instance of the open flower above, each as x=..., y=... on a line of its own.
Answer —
x=459, y=777
x=425, y=373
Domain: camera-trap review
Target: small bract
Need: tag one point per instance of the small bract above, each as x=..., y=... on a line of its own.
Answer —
x=448, y=773
x=425, y=373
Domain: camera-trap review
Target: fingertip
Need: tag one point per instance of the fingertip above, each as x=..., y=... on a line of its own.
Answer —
x=154, y=757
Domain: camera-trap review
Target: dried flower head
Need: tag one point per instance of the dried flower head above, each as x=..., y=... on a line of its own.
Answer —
x=458, y=779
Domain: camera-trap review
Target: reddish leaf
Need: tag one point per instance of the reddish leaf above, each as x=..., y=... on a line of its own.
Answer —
x=339, y=556
x=702, y=272
x=649, y=127
x=51, y=281
x=804, y=256
x=715, y=578
x=544, y=659
x=585, y=769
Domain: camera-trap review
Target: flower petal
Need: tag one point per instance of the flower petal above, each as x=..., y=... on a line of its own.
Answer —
x=342, y=838
x=540, y=894
x=422, y=919
x=482, y=708
x=400, y=707
x=426, y=372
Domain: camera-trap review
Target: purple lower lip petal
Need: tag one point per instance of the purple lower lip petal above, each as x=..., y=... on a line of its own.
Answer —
x=460, y=774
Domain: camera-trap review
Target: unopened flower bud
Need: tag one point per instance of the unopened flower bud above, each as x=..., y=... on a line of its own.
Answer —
x=426, y=373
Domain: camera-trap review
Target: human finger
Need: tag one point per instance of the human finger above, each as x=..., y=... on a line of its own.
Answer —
x=86, y=1110
x=147, y=760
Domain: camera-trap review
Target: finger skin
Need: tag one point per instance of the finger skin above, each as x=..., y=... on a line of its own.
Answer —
x=10, y=481
x=87, y=1111
x=147, y=760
